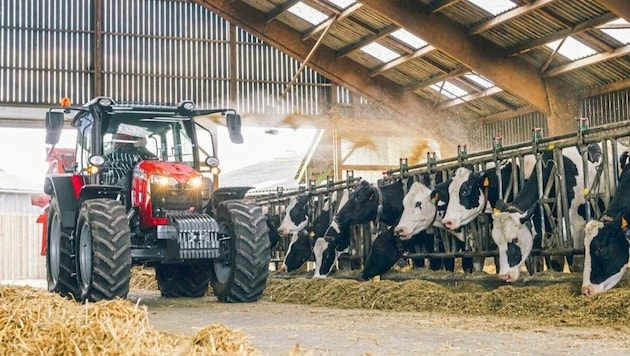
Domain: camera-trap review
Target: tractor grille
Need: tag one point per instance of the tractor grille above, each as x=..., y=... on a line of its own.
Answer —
x=179, y=198
x=197, y=235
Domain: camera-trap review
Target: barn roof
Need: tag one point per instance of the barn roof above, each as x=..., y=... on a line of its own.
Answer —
x=267, y=175
x=475, y=60
x=14, y=184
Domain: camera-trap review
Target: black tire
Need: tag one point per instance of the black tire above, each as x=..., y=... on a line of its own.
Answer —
x=103, y=250
x=183, y=280
x=60, y=265
x=243, y=276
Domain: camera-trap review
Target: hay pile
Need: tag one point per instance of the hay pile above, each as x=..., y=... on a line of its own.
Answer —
x=560, y=304
x=37, y=322
x=143, y=279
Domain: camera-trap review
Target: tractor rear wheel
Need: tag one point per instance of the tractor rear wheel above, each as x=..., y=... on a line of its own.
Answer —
x=103, y=250
x=60, y=266
x=241, y=274
x=183, y=280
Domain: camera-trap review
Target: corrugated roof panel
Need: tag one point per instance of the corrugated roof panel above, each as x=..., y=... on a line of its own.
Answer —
x=398, y=77
x=371, y=18
x=442, y=59
x=576, y=11
x=521, y=29
x=419, y=69
x=345, y=32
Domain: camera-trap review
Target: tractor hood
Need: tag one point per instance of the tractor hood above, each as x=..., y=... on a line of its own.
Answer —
x=180, y=171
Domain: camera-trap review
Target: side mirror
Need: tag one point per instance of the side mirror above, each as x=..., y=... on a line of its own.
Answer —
x=233, y=122
x=54, y=126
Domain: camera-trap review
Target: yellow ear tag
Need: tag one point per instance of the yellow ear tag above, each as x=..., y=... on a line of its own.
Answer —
x=486, y=182
x=496, y=211
x=437, y=197
x=624, y=223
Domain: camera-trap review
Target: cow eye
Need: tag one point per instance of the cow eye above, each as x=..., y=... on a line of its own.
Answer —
x=466, y=191
x=418, y=205
x=598, y=251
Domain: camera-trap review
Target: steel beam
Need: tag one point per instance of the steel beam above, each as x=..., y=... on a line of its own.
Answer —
x=620, y=8
x=512, y=74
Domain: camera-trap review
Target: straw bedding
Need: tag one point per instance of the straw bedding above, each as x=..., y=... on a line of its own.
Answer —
x=33, y=321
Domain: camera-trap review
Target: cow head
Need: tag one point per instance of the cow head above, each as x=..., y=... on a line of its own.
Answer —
x=327, y=249
x=514, y=238
x=383, y=255
x=466, y=198
x=296, y=218
x=299, y=251
x=361, y=207
x=419, y=213
x=606, y=254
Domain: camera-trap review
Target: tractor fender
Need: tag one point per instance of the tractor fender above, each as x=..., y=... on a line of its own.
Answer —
x=71, y=193
x=61, y=186
x=229, y=193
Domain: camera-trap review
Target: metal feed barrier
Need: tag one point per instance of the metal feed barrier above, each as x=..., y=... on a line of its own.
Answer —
x=557, y=239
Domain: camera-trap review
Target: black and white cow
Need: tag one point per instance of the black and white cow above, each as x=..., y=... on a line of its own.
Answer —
x=517, y=226
x=471, y=194
x=367, y=203
x=606, y=241
x=300, y=247
x=423, y=211
x=297, y=213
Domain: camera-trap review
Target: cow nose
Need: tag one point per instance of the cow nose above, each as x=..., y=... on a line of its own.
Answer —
x=588, y=291
x=448, y=224
x=399, y=230
x=506, y=277
x=281, y=231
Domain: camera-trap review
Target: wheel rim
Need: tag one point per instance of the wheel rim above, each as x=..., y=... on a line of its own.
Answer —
x=222, y=270
x=85, y=256
x=54, y=247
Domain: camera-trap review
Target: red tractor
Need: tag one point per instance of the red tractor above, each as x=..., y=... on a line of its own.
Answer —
x=137, y=196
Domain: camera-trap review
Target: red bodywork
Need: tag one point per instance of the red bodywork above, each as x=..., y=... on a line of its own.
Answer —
x=141, y=191
x=60, y=160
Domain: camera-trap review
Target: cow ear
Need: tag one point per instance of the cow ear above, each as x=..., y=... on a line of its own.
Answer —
x=435, y=196
x=500, y=205
x=624, y=223
x=365, y=183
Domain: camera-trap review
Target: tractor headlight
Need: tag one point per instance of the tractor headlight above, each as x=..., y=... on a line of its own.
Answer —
x=97, y=160
x=163, y=180
x=195, y=182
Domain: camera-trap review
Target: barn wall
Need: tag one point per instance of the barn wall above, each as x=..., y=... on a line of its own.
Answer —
x=164, y=51
x=20, y=238
x=600, y=110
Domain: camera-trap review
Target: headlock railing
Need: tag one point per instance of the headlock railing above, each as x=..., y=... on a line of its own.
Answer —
x=552, y=200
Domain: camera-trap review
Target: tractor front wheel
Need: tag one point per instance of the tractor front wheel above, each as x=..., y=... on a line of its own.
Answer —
x=103, y=250
x=240, y=275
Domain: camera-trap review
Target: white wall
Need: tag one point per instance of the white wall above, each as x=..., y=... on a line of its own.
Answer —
x=20, y=238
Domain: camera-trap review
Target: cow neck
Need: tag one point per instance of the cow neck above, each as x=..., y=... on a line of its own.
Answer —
x=379, y=208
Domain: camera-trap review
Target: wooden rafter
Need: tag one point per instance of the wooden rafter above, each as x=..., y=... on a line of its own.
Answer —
x=365, y=41
x=437, y=79
x=398, y=61
x=279, y=10
x=470, y=97
x=345, y=13
x=620, y=8
x=587, y=25
x=439, y=5
x=581, y=63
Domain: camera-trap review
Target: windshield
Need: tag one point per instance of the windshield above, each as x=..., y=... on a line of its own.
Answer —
x=166, y=140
